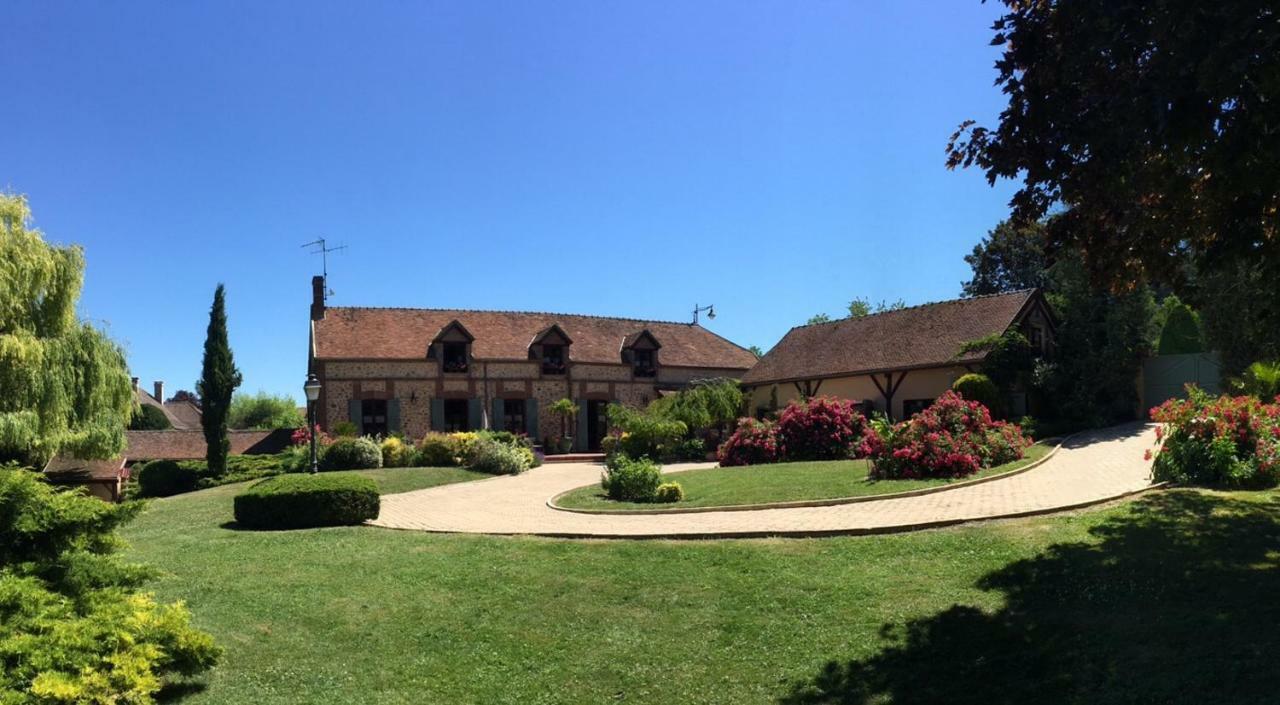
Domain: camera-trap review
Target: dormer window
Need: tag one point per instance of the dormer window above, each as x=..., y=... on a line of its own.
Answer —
x=550, y=347
x=455, y=357
x=642, y=363
x=553, y=362
x=641, y=350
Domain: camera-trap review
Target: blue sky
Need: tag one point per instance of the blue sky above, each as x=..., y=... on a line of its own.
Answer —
x=621, y=158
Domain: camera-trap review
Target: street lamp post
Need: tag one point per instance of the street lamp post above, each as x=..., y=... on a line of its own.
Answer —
x=312, y=388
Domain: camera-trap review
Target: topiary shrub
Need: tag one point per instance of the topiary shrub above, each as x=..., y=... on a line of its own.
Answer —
x=822, y=428
x=303, y=501
x=497, y=458
x=352, y=454
x=753, y=443
x=436, y=450
x=163, y=478
x=631, y=480
x=979, y=388
x=396, y=453
x=669, y=492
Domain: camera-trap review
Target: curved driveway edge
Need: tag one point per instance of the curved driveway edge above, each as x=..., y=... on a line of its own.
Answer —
x=1090, y=468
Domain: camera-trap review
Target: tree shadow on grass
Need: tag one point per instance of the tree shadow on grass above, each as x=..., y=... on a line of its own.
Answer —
x=1177, y=603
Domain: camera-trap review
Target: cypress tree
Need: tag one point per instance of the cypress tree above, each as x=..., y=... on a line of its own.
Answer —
x=1181, y=332
x=218, y=380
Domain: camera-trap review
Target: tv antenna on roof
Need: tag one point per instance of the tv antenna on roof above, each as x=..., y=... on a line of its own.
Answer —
x=323, y=249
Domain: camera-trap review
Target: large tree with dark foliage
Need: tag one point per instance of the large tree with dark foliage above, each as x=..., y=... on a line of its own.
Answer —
x=1155, y=124
x=218, y=381
x=1009, y=258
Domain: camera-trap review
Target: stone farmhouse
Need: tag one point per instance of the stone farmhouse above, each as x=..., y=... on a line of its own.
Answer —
x=414, y=370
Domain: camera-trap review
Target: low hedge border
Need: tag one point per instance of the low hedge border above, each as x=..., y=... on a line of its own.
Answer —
x=306, y=501
x=811, y=502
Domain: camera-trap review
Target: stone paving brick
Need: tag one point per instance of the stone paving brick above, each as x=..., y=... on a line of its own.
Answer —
x=1092, y=467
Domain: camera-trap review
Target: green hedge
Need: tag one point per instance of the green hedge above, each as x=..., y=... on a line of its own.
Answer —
x=162, y=478
x=352, y=454
x=302, y=501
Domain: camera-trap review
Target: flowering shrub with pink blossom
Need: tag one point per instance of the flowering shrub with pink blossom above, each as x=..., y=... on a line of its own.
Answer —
x=1212, y=440
x=951, y=438
x=301, y=436
x=753, y=443
x=822, y=428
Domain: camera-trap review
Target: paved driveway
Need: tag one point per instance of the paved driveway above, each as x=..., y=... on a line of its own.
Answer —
x=1089, y=468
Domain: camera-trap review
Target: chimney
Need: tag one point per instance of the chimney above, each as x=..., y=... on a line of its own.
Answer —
x=159, y=387
x=135, y=384
x=317, y=298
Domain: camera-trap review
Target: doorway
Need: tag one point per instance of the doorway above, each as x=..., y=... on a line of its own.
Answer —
x=597, y=423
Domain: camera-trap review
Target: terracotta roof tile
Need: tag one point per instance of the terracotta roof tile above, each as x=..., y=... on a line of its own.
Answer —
x=66, y=469
x=186, y=414
x=405, y=333
x=920, y=336
x=190, y=445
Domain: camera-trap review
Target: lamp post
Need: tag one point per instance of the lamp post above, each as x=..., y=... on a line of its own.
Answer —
x=711, y=312
x=312, y=388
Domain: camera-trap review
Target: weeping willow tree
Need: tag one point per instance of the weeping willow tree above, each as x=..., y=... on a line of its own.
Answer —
x=63, y=383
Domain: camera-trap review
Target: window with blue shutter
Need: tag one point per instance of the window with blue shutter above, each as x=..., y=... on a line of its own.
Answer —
x=437, y=414
x=580, y=438
x=355, y=416
x=475, y=415
x=496, y=417
x=531, y=419
x=393, y=416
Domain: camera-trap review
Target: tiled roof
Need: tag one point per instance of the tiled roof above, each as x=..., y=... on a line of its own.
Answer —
x=190, y=445
x=405, y=334
x=68, y=469
x=186, y=413
x=920, y=336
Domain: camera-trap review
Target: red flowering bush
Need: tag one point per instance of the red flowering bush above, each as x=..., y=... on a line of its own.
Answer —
x=823, y=428
x=753, y=443
x=302, y=437
x=951, y=438
x=1217, y=440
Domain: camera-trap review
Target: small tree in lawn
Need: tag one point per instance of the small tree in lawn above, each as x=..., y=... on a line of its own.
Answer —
x=566, y=410
x=218, y=380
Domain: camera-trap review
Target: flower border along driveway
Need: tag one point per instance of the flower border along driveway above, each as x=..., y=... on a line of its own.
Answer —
x=1089, y=468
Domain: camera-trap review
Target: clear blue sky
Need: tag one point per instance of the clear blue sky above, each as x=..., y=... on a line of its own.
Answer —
x=621, y=158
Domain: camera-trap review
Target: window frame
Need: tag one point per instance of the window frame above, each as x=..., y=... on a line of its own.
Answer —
x=369, y=423
x=508, y=418
x=450, y=411
x=454, y=363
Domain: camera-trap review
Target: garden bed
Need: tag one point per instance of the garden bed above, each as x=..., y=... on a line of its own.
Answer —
x=785, y=484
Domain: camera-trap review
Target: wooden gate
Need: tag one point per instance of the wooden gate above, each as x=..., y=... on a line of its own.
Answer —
x=1166, y=376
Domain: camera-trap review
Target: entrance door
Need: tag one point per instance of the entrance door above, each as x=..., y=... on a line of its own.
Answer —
x=597, y=423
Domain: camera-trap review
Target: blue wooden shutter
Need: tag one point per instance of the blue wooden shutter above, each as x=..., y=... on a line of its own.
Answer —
x=497, y=422
x=354, y=415
x=475, y=414
x=393, y=416
x=580, y=438
x=531, y=419
x=437, y=414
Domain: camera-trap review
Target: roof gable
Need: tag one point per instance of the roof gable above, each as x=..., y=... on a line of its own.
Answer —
x=921, y=336
x=350, y=333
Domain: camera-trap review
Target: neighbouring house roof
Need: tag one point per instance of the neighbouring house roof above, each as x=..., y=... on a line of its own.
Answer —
x=921, y=336
x=63, y=469
x=405, y=334
x=185, y=412
x=190, y=445
x=182, y=415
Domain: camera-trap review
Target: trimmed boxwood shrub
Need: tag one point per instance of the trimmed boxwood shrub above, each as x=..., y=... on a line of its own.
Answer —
x=352, y=454
x=979, y=388
x=669, y=492
x=162, y=478
x=302, y=501
x=627, y=480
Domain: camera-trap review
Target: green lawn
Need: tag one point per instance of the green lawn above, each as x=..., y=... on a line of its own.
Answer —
x=781, y=482
x=1169, y=599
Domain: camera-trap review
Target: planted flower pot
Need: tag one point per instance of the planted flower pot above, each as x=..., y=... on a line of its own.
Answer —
x=566, y=445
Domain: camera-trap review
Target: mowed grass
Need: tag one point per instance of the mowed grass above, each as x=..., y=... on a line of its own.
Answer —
x=780, y=482
x=1169, y=599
